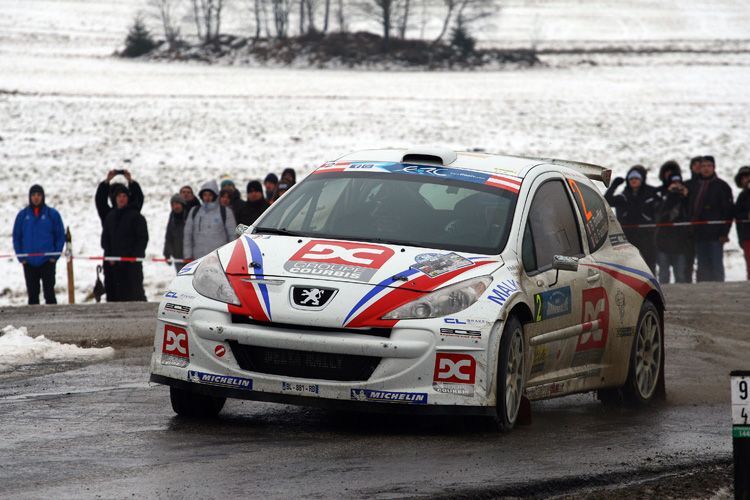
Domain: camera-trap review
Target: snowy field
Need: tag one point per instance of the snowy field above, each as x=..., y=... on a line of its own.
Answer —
x=69, y=112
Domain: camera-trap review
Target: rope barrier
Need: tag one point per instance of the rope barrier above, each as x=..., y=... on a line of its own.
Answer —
x=94, y=257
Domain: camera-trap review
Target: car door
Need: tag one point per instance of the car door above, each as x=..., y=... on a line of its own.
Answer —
x=595, y=350
x=551, y=228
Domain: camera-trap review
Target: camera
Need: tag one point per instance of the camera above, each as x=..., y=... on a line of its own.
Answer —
x=120, y=172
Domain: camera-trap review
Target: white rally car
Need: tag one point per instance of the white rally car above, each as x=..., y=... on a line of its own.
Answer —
x=419, y=280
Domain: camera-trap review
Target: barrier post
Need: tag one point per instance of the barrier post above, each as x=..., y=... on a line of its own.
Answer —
x=740, y=381
x=69, y=258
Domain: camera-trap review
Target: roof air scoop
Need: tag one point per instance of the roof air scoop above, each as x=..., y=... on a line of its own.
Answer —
x=428, y=156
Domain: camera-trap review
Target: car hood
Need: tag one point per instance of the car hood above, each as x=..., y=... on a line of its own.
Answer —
x=409, y=268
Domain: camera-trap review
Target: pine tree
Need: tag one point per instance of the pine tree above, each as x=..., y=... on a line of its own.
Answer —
x=139, y=40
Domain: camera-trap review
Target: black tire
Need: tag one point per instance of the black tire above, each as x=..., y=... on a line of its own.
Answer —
x=190, y=404
x=645, y=380
x=510, y=380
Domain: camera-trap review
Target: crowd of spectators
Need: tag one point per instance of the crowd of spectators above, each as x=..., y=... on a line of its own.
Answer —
x=680, y=226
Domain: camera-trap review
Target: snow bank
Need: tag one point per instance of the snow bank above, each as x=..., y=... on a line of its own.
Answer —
x=17, y=348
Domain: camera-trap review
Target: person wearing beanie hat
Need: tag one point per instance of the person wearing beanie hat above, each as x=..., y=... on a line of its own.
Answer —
x=235, y=200
x=742, y=213
x=255, y=204
x=289, y=176
x=673, y=244
x=710, y=199
x=187, y=194
x=124, y=234
x=175, y=231
x=38, y=228
x=636, y=204
x=270, y=183
x=104, y=199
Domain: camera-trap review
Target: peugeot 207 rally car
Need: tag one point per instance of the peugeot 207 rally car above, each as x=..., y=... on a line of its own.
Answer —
x=419, y=280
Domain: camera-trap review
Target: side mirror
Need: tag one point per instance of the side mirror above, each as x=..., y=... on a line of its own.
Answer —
x=240, y=229
x=564, y=263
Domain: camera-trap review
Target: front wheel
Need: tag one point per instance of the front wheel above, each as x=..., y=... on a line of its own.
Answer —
x=647, y=357
x=510, y=375
x=190, y=404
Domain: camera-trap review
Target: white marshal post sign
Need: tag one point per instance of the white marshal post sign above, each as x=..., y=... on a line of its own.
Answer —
x=741, y=433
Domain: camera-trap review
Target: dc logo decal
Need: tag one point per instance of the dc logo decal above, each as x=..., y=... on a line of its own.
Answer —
x=350, y=255
x=175, y=341
x=595, y=307
x=455, y=368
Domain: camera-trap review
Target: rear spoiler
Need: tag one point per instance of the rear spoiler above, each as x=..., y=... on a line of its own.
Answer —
x=593, y=172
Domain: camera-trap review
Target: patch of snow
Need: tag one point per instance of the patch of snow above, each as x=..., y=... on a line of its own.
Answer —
x=18, y=348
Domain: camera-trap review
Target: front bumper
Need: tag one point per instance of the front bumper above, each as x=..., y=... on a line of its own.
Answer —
x=403, y=380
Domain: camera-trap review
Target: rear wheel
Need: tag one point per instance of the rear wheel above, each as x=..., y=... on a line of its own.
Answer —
x=190, y=404
x=510, y=375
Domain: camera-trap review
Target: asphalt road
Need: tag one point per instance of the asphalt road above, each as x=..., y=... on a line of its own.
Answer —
x=101, y=430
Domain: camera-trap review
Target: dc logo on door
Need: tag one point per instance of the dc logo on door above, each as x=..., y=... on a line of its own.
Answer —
x=454, y=368
x=595, y=307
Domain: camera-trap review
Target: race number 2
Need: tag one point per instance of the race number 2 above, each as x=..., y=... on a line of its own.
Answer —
x=741, y=398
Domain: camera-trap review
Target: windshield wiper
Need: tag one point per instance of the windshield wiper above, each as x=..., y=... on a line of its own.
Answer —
x=273, y=230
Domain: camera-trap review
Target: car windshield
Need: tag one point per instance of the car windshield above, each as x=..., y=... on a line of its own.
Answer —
x=397, y=208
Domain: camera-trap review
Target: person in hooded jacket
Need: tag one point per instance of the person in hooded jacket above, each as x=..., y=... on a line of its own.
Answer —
x=209, y=226
x=235, y=200
x=742, y=213
x=636, y=205
x=39, y=229
x=175, y=231
x=710, y=199
x=124, y=234
x=673, y=244
x=255, y=204
x=104, y=200
x=289, y=177
x=270, y=183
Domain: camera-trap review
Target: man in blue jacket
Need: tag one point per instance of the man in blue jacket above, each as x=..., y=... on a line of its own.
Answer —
x=38, y=229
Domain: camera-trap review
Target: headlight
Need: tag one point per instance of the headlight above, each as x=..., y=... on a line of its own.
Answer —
x=211, y=281
x=442, y=302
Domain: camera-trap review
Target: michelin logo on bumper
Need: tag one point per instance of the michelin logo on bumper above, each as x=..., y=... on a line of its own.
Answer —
x=411, y=398
x=220, y=380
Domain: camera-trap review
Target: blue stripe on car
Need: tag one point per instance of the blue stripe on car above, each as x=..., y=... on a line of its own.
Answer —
x=257, y=256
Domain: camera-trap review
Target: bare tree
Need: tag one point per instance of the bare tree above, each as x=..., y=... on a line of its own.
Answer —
x=167, y=11
x=301, y=17
x=326, y=14
x=340, y=16
x=207, y=14
x=404, y=24
x=450, y=7
x=383, y=11
x=280, y=10
x=311, y=8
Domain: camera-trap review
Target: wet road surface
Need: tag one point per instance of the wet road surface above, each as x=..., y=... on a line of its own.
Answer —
x=102, y=430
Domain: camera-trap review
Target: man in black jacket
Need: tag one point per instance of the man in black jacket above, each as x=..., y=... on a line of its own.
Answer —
x=255, y=204
x=124, y=234
x=636, y=205
x=742, y=213
x=175, y=231
x=105, y=202
x=710, y=199
x=673, y=244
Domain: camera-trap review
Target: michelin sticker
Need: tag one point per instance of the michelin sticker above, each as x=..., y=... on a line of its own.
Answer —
x=220, y=380
x=411, y=398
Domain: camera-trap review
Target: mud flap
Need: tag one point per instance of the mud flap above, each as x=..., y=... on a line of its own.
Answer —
x=524, y=412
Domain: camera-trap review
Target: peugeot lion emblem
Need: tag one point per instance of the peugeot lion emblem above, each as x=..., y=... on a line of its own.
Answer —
x=311, y=297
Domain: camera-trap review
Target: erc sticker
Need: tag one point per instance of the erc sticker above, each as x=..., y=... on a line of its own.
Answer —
x=434, y=264
x=552, y=303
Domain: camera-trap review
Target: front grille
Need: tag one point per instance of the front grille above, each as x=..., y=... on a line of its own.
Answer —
x=376, y=332
x=304, y=364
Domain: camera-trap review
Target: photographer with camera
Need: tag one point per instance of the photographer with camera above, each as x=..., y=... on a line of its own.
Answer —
x=673, y=244
x=124, y=234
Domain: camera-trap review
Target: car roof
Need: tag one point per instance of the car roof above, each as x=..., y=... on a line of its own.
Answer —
x=517, y=166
